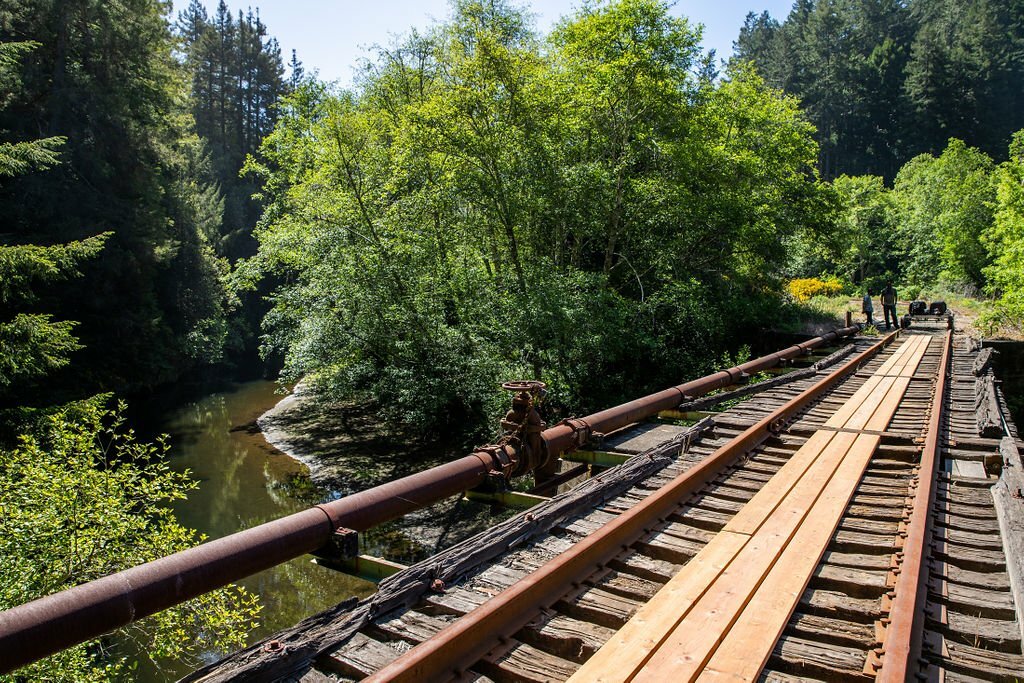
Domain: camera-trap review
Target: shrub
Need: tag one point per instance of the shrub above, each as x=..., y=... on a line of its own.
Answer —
x=804, y=289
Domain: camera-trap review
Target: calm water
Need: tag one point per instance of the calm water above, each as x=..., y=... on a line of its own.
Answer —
x=244, y=482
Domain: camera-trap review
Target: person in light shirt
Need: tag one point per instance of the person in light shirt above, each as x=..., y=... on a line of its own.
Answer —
x=867, y=308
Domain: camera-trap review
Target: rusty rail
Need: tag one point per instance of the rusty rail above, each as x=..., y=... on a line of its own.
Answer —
x=61, y=620
x=459, y=645
x=902, y=644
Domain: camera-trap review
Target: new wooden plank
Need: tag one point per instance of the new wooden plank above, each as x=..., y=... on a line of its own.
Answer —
x=887, y=408
x=913, y=357
x=723, y=547
x=918, y=356
x=912, y=347
x=765, y=501
x=898, y=354
x=752, y=638
x=694, y=640
x=785, y=500
x=864, y=411
x=898, y=359
x=843, y=413
x=642, y=634
x=864, y=403
x=728, y=569
x=876, y=416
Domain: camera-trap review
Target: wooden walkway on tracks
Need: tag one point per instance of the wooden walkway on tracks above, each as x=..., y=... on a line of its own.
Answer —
x=855, y=523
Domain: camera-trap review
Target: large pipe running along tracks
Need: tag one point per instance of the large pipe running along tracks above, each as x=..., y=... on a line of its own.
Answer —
x=55, y=622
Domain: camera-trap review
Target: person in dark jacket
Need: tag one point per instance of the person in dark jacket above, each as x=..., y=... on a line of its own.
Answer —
x=889, y=305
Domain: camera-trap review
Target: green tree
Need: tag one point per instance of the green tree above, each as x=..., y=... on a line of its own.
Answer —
x=79, y=496
x=965, y=72
x=884, y=80
x=236, y=79
x=844, y=59
x=32, y=344
x=488, y=204
x=1005, y=240
x=943, y=207
x=104, y=79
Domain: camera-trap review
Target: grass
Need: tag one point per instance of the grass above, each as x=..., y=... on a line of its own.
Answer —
x=818, y=315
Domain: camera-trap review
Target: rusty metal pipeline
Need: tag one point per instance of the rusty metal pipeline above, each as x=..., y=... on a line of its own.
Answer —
x=61, y=620
x=573, y=433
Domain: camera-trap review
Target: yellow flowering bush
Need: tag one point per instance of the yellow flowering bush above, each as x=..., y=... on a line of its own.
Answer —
x=805, y=289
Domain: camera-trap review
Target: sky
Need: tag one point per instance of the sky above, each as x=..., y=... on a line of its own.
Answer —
x=331, y=36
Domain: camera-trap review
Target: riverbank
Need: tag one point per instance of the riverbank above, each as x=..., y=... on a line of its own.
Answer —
x=346, y=449
x=343, y=445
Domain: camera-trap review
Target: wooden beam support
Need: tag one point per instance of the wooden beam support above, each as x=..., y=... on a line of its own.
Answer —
x=511, y=499
x=366, y=567
x=600, y=458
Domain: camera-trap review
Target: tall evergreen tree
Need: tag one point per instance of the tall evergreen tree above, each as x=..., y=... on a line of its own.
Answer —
x=32, y=344
x=237, y=78
x=884, y=80
x=104, y=78
x=966, y=73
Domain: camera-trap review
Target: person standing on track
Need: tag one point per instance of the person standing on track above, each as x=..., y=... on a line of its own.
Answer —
x=889, y=305
x=867, y=308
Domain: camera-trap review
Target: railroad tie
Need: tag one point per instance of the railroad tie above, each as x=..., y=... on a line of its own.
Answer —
x=720, y=617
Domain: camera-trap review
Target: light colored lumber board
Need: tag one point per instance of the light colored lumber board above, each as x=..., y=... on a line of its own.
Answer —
x=752, y=638
x=843, y=413
x=892, y=360
x=870, y=405
x=642, y=634
x=752, y=515
x=726, y=571
x=888, y=406
x=911, y=367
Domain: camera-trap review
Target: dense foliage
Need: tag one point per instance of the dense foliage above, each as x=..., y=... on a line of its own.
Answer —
x=886, y=81
x=236, y=79
x=586, y=209
x=81, y=498
x=953, y=221
x=103, y=79
x=597, y=208
x=1005, y=239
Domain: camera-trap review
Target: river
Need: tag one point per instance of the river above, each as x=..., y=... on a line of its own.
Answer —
x=243, y=481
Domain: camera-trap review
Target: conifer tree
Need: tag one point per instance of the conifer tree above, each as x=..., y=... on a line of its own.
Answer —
x=32, y=344
x=105, y=79
x=237, y=77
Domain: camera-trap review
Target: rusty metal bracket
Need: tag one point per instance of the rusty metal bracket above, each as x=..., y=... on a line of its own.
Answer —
x=342, y=545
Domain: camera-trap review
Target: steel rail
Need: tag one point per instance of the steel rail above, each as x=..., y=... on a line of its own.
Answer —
x=60, y=620
x=459, y=645
x=901, y=648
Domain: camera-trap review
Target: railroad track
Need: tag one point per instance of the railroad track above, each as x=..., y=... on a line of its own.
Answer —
x=834, y=527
